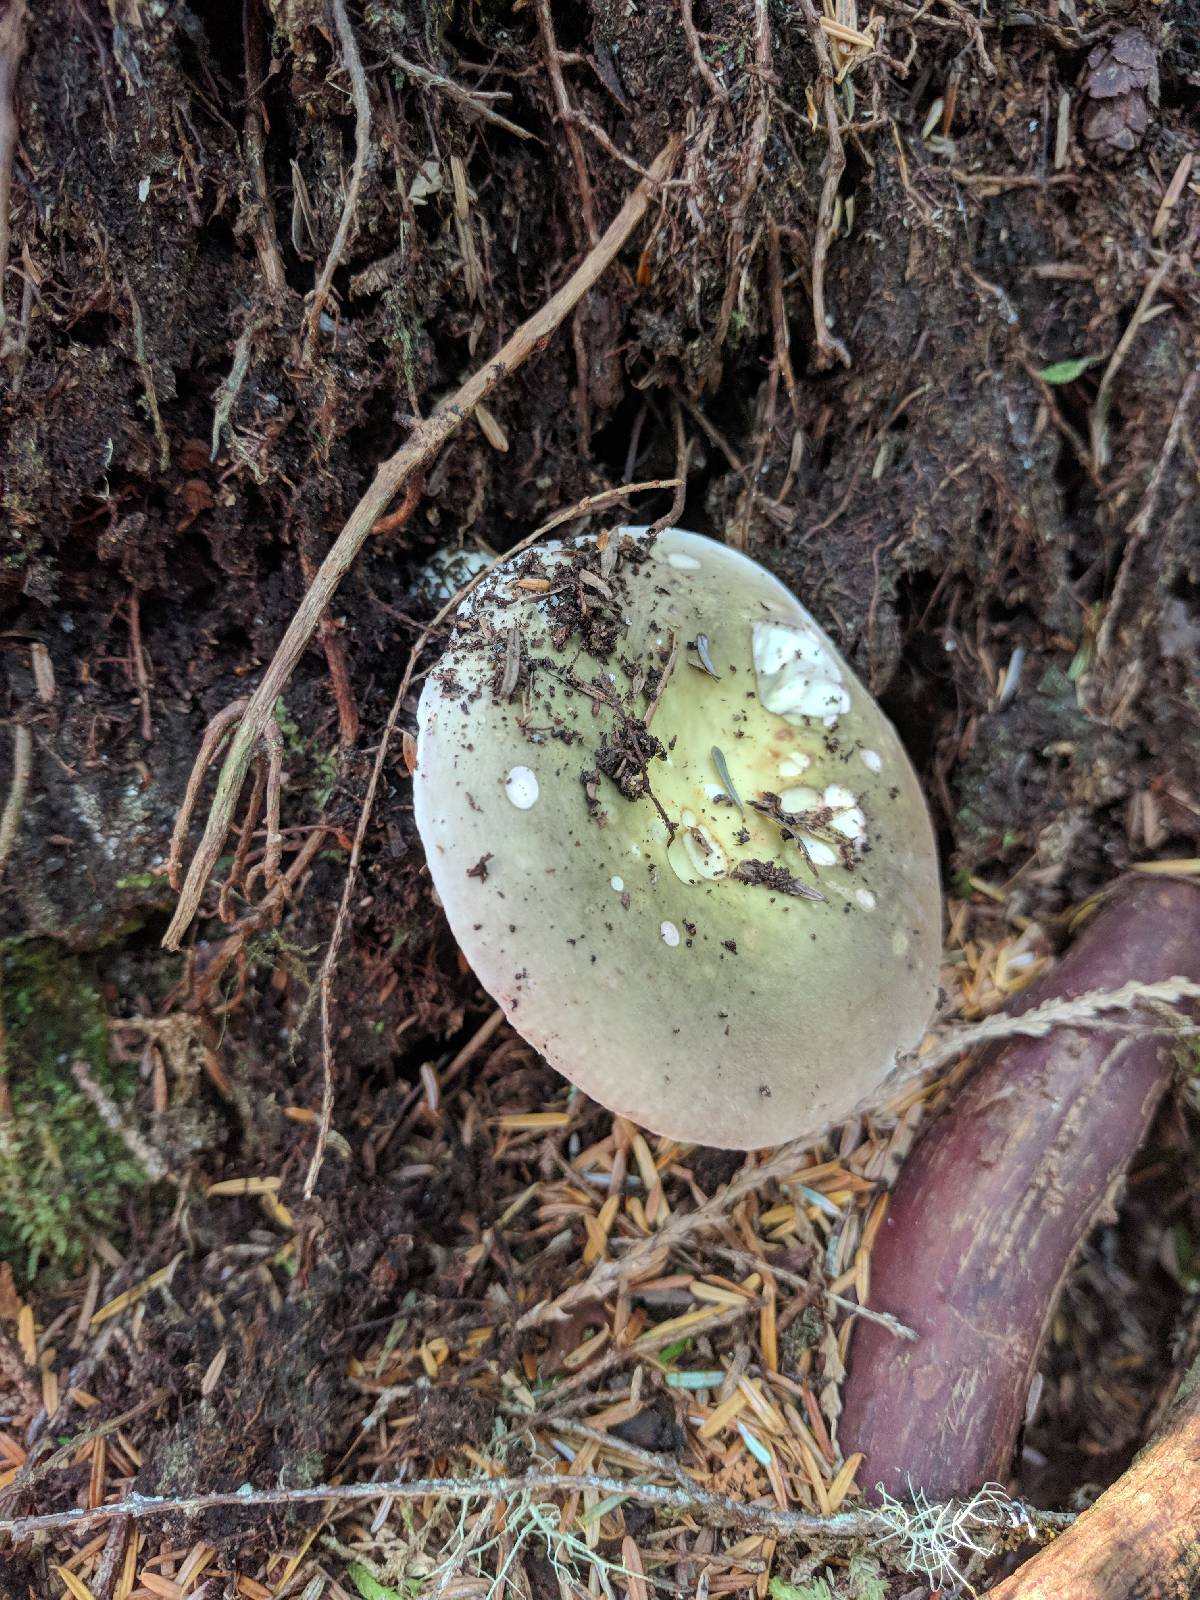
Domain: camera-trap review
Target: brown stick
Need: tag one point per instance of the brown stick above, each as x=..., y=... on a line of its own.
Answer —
x=422, y=445
x=990, y=1209
x=1140, y=1536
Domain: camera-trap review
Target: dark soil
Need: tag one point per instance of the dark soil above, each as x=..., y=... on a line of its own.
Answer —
x=1007, y=547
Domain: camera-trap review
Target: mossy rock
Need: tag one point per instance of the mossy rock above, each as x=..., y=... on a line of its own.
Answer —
x=63, y=1172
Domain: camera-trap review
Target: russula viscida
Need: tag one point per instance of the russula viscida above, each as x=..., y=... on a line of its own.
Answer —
x=676, y=838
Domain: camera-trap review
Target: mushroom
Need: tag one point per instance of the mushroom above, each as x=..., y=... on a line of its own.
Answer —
x=676, y=838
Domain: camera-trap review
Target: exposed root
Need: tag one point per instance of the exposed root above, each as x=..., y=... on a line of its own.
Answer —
x=214, y=736
x=141, y=673
x=670, y=517
x=266, y=913
x=478, y=101
x=1144, y=520
x=709, y=77
x=334, y=646
x=1098, y=421
x=567, y=114
x=266, y=241
x=231, y=386
x=362, y=145
x=12, y=49
x=829, y=348
x=423, y=444
x=18, y=787
x=147, y=372
x=756, y=145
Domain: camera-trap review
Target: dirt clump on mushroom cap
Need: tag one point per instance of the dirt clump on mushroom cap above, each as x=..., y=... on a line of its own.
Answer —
x=711, y=896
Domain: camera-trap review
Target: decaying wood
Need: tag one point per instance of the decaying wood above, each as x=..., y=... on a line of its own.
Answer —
x=1140, y=1538
x=990, y=1209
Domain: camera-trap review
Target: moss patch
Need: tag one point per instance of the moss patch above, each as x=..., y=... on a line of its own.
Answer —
x=63, y=1173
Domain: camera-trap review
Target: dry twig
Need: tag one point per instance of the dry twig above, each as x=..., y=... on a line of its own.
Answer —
x=423, y=444
x=718, y=1510
x=362, y=145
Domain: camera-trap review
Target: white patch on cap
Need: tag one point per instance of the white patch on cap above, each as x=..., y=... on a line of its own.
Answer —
x=872, y=760
x=800, y=798
x=865, y=899
x=819, y=853
x=521, y=787
x=670, y=933
x=795, y=764
x=617, y=883
x=844, y=817
x=694, y=855
x=683, y=563
x=797, y=674
x=899, y=943
x=847, y=818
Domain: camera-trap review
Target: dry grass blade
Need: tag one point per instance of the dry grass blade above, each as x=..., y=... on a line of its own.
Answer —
x=426, y=440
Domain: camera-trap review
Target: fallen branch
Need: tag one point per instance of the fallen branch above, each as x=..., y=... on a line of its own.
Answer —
x=362, y=144
x=423, y=444
x=719, y=1510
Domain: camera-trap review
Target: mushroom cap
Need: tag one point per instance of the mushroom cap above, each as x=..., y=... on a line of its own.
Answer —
x=723, y=925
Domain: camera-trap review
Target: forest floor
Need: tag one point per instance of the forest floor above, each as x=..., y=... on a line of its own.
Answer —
x=915, y=318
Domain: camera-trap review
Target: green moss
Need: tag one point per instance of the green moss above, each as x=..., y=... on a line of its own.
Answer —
x=63, y=1173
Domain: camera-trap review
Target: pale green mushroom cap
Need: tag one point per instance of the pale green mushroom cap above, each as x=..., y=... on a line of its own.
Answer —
x=724, y=926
